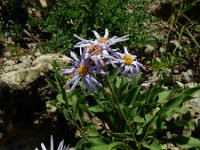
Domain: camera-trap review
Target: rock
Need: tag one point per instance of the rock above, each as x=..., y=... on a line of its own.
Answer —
x=187, y=76
x=195, y=105
x=9, y=63
x=176, y=71
x=20, y=76
x=191, y=85
x=151, y=81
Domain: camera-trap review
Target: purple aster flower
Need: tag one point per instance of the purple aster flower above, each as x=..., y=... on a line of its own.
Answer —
x=101, y=39
x=109, y=41
x=82, y=70
x=128, y=63
x=100, y=46
x=60, y=147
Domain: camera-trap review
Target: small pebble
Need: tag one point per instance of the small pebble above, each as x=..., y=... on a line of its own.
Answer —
x=176, y=71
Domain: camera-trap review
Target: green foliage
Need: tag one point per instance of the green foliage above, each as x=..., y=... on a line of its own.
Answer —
x=127, y=116
x=180, y=39
x=68, y=17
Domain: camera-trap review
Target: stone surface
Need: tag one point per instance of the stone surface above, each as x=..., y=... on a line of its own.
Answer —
x=23, y=95
x=19, y=76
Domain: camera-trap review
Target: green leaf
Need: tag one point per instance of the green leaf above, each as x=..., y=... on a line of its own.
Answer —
x=139, y=119
x=187, y=123
x=112, y=75
x=60, y=99
x=118, y=82
x=99, y=147
x=117, y=145
x=183, y=110
x=163, y=96
x=124, y=136
x=148, y=117
x=136, y=79
x=133, y=94
x=96, y=109
x=187, y=142
x=155, y=145
x=111, y=80
x=181, y=98
x=92, y=132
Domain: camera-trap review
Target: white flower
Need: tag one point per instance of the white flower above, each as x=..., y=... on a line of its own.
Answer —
x=61, y=146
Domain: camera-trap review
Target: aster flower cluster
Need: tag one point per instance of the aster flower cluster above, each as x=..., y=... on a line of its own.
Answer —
x=95, y=55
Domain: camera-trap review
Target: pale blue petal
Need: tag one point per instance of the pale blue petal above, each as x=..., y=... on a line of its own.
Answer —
x=95, y=82
x=72, y=80
x=88, y=83
x=67, y=71
x=126, y=69
x=74, y=56
x=75, y=83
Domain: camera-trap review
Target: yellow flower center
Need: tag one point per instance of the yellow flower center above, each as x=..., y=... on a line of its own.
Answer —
x=128, y=59
x=101, y=39
x=94, y=48
x=82, y=70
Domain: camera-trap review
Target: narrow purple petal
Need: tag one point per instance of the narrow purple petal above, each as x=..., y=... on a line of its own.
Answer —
x=88, y=83
x=75, y=83
x=126, y=69
x=84, y=82
x=139, y=64
x=67, y=71
x=122, y=65
x=95, y=82
x=133, y=71
x=72, y=80
x=74, y=56
x=136, y=64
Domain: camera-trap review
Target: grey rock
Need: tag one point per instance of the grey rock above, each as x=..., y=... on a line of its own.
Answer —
x=9, y=63
x=176, y=71
x=20, y=76
x=187, y=76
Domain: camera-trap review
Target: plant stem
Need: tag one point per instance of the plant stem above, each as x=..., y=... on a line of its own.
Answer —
x=82, y=133
x=120, y=111
x=128, y=123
